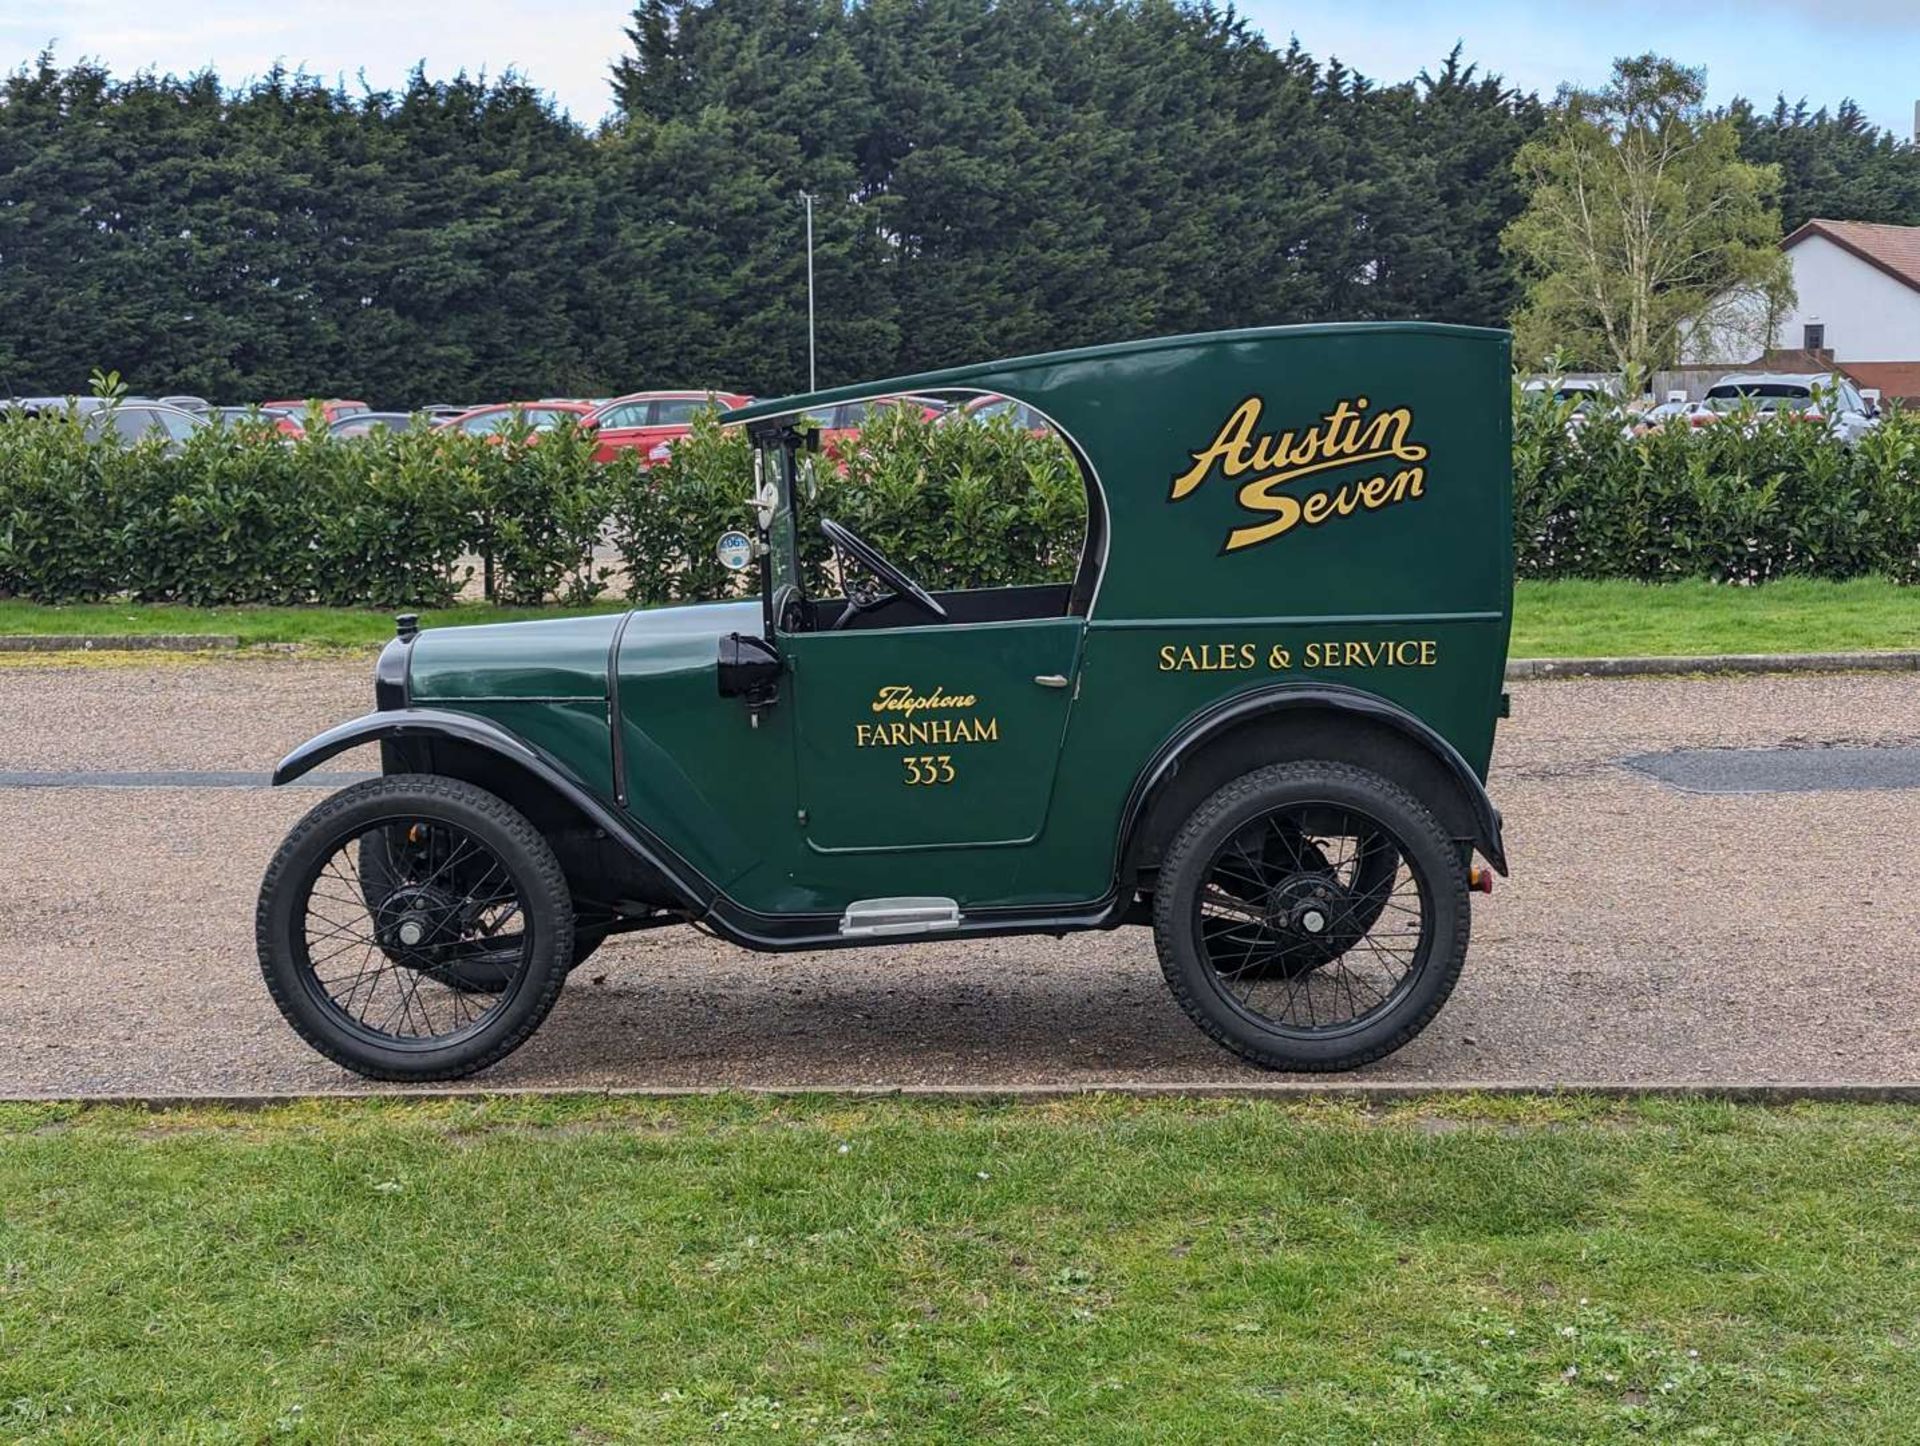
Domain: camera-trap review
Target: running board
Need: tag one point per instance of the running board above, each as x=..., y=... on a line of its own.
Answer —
x=875, y=917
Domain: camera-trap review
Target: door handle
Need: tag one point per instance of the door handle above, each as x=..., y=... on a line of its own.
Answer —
x=1050, y=680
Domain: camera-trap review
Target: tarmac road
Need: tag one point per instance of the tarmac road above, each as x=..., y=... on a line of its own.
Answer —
x=1649, y=935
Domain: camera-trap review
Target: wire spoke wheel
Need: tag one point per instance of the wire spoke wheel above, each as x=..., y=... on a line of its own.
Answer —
x=1310, y=917
x=415, y=927
x=387, y=948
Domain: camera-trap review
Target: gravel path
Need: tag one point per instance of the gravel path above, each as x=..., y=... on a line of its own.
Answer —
x=1649, y=935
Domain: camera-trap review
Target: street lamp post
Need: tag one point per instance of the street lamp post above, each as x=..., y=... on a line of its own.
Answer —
x=813, y=383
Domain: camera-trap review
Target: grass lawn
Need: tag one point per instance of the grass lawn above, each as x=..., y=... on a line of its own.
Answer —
x=1551, y=619
x=1624, y=619
x=319, y=627
x=893, y=1271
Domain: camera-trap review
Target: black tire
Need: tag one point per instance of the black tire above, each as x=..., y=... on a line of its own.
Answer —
x=1422, y=926
x=538, y=898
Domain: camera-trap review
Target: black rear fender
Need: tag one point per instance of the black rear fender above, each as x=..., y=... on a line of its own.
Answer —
x=1335, y=724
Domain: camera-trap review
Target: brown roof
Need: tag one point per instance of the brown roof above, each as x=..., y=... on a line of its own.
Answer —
x=1893, y=249
x=1896, y=380
x=1791, y=359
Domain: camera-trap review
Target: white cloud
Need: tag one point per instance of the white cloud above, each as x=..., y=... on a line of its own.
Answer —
x=564, y=47
x=1822, y=49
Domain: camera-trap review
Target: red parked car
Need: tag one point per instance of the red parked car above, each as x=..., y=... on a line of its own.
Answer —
x=840, y=427
x=334, y=407
x=286, y=423
x=541, y=416
x=647, y=421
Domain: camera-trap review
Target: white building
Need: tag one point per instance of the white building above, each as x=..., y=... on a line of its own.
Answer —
x=1857, y=286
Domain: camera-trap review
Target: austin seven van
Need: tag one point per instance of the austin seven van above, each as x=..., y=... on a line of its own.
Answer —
x=1257, y=722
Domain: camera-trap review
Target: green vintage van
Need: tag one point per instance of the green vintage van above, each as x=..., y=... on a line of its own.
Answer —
x=1258, y=721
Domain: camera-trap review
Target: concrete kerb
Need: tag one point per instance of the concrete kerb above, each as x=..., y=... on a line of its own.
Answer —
x=117, y=642
x=1384, y=1092
x=1534, y=669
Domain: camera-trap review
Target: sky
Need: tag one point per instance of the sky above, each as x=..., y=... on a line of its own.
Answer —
x=1824, y=50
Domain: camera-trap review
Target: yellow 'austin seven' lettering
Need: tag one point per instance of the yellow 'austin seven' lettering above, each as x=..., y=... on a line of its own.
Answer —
x=1347, y=436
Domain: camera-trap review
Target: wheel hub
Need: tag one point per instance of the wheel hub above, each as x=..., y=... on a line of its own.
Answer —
x=1305, y=904
x=417, y=917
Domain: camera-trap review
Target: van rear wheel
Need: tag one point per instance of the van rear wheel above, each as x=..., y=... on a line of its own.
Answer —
x=1312, y=916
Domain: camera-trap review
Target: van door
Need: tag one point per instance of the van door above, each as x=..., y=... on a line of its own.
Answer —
x=930, y=737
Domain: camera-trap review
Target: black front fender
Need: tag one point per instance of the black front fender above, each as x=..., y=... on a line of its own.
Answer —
x=408, y=723
x=398, y=724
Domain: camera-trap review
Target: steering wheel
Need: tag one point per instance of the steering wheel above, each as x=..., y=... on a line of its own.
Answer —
x=863, y=552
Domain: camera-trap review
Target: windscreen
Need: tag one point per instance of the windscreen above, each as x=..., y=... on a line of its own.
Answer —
x=1767, y=396
x=772, y=480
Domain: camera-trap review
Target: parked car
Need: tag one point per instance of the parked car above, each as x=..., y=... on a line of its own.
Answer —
x=1809, y=397
x=137, y=421
x=646, y=422
x=985, y=409
x=841, y=424
x=41, y=406
x=1601, y=391
x=36, y=406
x=541, y=416
x=358, y=424
x=333, y=408
x=1583, y=398
x=288, y=424
x=1672, y=414
x=1258, y=721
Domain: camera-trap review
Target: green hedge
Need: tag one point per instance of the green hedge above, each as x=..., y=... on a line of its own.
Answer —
x=236, y=515
x=1744, y=499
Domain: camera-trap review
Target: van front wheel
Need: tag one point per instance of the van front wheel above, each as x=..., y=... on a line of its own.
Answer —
x=381, y=968
x=1312, y=916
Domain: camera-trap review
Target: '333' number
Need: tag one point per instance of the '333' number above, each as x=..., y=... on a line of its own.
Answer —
x=927, y=769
